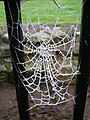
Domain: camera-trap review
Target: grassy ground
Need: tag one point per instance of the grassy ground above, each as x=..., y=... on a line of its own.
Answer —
x=47, y=10
x=2, y=14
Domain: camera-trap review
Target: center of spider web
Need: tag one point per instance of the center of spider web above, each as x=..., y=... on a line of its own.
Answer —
x=43, y=50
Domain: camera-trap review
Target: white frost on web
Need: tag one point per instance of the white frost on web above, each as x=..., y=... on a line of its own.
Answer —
x=47, y=69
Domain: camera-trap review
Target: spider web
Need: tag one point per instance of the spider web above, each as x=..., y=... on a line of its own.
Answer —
x=48, y=53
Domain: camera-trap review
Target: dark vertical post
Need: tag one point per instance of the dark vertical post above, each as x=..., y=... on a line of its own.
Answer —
x=13, y=17
x=84, y=62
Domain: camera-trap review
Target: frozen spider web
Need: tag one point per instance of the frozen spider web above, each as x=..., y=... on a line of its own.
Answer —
x=50, y=66
x=47, y=69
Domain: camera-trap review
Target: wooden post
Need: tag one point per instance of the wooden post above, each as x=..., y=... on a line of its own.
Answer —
x=13, y=17
x=84, y=63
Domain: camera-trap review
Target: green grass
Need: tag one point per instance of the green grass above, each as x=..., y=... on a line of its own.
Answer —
x=46, y=10
x=2, y=14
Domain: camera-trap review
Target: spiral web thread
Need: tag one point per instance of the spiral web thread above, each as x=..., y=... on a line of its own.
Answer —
x=47, y=67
